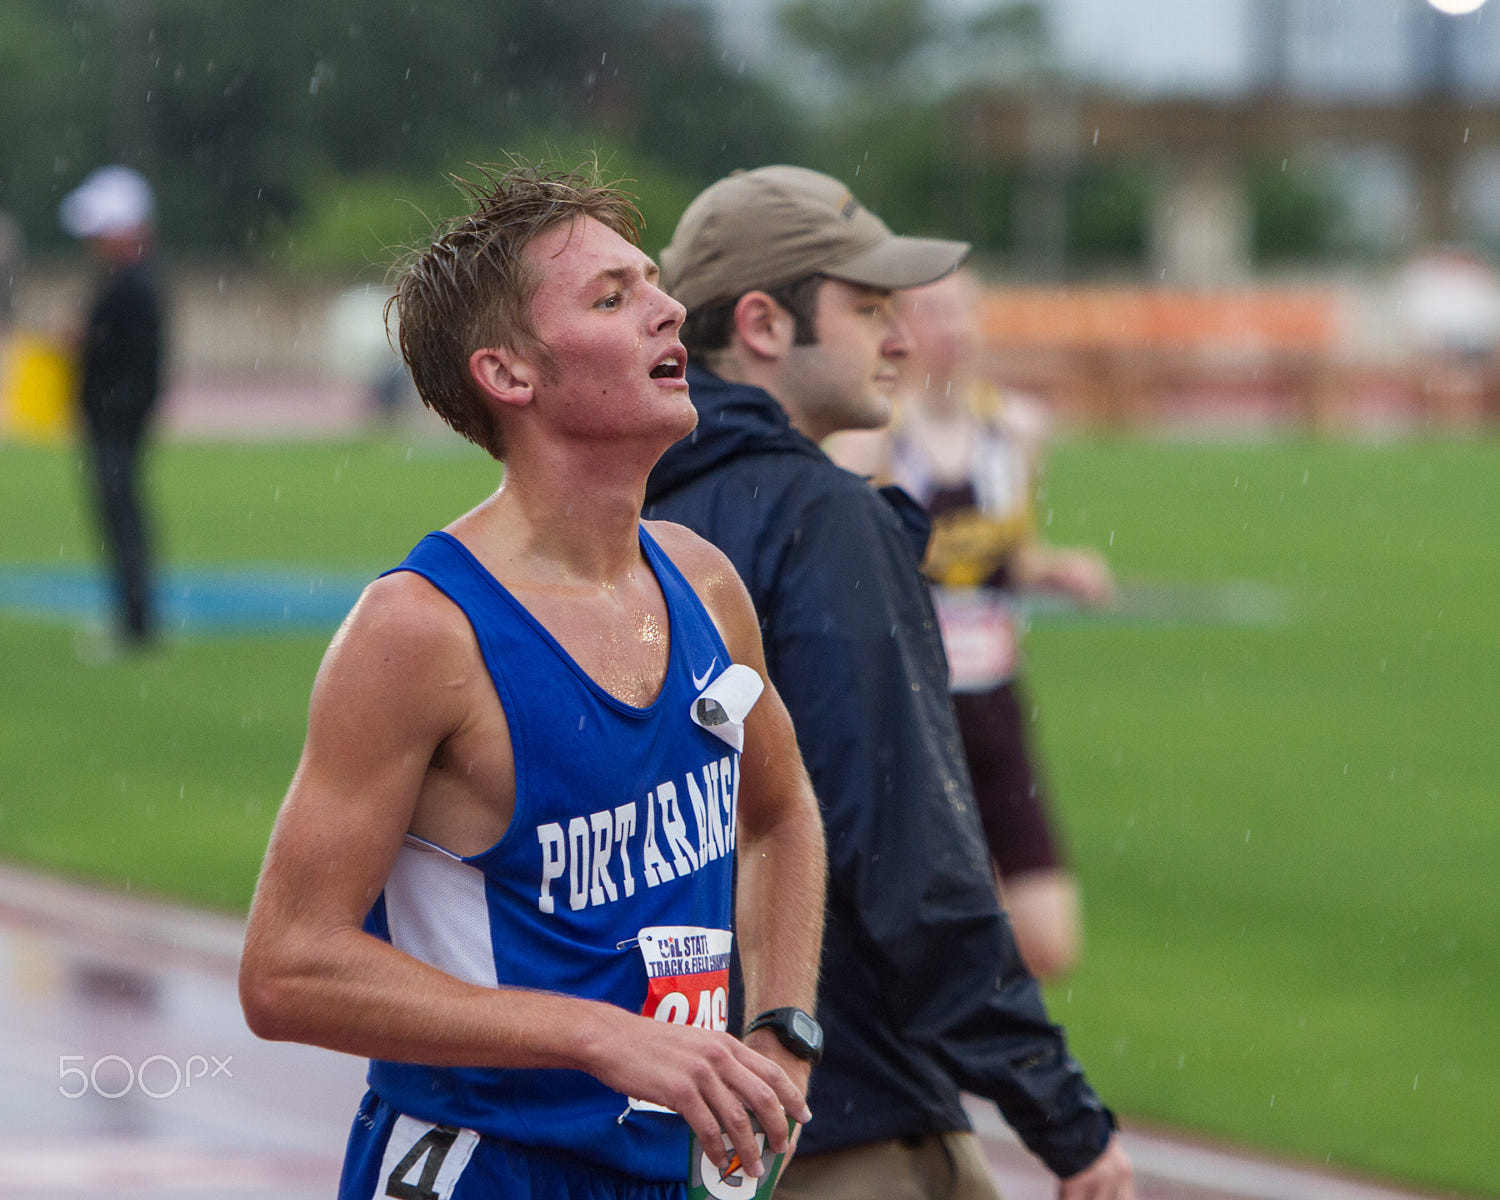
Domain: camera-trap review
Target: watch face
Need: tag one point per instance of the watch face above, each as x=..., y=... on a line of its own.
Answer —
x=807, y=1029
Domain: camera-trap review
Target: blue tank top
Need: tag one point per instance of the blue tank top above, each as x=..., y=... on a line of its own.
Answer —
x=613, y=880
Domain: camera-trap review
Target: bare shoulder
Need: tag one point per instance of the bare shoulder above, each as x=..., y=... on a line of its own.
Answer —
x=702, y=563
x=403, y=632
x=714, y=579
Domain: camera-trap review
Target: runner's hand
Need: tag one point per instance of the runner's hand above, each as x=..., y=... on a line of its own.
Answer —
x=714, y=1081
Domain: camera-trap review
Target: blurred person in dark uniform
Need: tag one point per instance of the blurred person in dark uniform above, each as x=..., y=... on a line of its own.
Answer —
x=12, y=255
x=120, y=364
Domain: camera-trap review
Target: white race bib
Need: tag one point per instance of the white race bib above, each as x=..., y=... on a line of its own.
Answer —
x=687, y=979
x=980, y=635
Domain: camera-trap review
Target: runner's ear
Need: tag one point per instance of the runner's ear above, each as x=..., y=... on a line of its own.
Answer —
x=502, y=374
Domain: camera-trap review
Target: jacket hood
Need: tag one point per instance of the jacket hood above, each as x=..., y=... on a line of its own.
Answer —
x=733, y=419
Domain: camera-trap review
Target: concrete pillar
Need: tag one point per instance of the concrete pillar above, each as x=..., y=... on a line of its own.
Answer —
x=1200, y=223
x=1041, y=217
x=1439, y=219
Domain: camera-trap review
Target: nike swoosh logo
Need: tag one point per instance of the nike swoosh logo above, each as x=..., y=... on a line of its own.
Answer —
x=699, y=683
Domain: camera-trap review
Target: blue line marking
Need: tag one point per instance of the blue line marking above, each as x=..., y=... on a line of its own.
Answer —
x=197, y=599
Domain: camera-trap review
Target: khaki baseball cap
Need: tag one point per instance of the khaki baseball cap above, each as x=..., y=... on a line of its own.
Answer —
x=773, y=225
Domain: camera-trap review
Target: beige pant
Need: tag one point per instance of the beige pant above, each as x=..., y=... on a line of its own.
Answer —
x=936, y=1166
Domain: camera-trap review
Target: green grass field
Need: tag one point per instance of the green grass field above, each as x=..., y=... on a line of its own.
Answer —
x=1284, y=824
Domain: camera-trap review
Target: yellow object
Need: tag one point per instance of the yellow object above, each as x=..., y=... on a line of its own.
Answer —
x=36, y=389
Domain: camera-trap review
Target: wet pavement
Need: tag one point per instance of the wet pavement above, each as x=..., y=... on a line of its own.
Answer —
x=131, y=1074
x=129, y=1069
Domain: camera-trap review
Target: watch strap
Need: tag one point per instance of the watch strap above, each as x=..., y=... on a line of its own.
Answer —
x=781, y=1021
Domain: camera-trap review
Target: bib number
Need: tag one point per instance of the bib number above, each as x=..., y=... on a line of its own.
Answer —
x=687, y=979
x=423, y=1161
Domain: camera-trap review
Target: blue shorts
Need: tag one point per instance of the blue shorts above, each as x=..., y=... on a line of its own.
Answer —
x=392, y=1155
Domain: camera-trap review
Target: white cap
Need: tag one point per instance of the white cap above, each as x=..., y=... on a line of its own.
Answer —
x=111, y=200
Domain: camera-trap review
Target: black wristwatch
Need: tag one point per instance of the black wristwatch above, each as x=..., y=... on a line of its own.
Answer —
x=795, y=1029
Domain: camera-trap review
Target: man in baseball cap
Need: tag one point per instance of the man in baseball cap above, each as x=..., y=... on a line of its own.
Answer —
x=793, y=336
x=120, y=375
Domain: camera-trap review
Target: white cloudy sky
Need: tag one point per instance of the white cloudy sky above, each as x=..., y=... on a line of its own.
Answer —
x=1123, y=40
x=1207, y=46
x=1191, y=44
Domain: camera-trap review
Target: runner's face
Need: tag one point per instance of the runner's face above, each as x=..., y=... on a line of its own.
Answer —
x=617, y=365
x=845, y=380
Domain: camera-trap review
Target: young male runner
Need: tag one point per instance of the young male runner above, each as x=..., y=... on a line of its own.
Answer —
x=788, y=279
x=512, y=837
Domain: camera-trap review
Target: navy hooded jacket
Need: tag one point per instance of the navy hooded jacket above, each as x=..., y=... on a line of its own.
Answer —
x=922, y=994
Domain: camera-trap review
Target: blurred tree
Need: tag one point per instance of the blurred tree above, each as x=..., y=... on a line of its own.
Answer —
x=1108, y=215
x=50, y=109
x=897, y=138
x=244, y=116
x=1295, y=213
x=319, y=135
x=866, y=43
x=905, y=51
